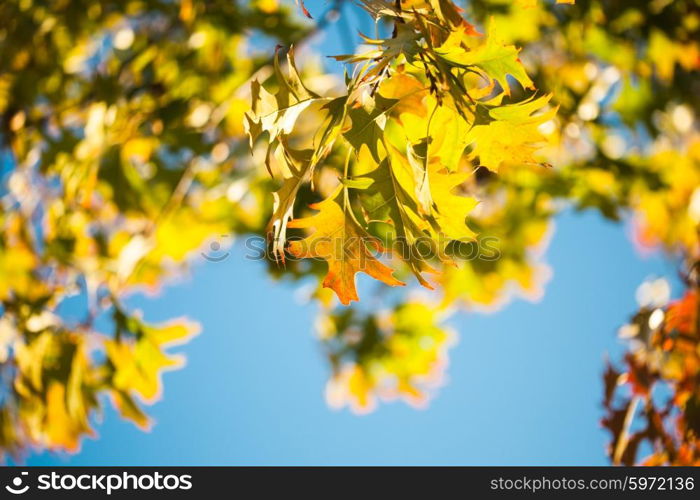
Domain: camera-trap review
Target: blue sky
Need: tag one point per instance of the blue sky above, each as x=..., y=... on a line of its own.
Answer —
x=524, y=385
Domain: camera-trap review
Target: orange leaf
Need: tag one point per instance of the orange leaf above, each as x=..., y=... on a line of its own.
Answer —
x=343, y=243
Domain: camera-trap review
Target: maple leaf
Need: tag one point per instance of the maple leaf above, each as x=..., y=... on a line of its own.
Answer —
x=513, y=134
x=367, y=123
x=403, y=42
x=495, y=59
x=431, y=214
x=298, y=172
x=448, y=12
x=343, y=243
x=432, y=194
x=447, y=148
x=389, y=198
x=450, y=210
x=409, y=91
x=277, y=115
x=139, y=361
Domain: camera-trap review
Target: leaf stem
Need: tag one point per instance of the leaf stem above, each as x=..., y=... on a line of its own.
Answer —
x=623, y=440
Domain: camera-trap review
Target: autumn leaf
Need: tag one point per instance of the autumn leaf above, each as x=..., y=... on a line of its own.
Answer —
x=399, y=355
x=403, y=42
x=139, y=361
x=513, y=135
x=277, y=116
x=450, y=209
x=495, y=59
x=343, y=243
x=61, y=429
x=303, y=8
x=390, y=197
x=367, y=123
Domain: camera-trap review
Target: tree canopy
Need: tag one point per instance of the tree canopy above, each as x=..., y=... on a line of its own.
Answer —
x=134, y=131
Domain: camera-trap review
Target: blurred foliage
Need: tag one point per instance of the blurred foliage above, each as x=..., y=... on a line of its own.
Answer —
x=401, y=353
x=127, y=129
x=625, y=76
x=120, y=122
x=654, y=400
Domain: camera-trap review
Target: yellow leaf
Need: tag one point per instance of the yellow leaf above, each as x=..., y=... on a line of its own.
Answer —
x=138, y=364
x=450, y=210
x=493, y=57
x=513, y=136
x=61, y=430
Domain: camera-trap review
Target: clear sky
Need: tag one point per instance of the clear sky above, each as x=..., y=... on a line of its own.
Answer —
x=524, y=385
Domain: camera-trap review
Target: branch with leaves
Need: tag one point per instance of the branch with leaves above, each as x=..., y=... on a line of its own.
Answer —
x=127, y=130
x=401, y=184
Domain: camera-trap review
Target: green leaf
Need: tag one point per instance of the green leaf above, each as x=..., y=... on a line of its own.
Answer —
x=493, y=57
